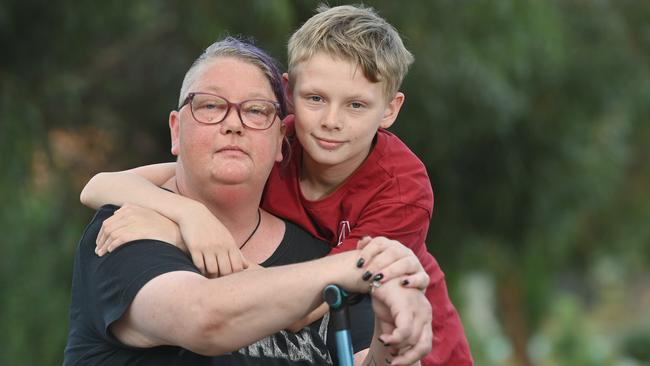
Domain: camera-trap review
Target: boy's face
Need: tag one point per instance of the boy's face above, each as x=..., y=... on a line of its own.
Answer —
x=338, y=112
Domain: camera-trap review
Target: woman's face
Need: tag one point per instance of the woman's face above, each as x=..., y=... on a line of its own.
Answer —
x=226, y=153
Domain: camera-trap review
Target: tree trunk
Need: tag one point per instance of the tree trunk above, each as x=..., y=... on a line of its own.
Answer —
x=513, y=317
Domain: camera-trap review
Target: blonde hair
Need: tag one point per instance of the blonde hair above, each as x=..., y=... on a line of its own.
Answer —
x=357, y=34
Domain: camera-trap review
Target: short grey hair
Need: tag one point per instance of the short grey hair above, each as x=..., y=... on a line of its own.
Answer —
x=245, y=51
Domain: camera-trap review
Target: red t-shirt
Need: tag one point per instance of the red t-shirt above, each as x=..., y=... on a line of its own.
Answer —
x=388, y=195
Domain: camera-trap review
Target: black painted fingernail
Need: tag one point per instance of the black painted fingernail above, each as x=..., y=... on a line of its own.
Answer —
x=360, y=262
x=378, y=277
x=387, y=361
x=366, y=276
x=382, y=342
x=405, y=283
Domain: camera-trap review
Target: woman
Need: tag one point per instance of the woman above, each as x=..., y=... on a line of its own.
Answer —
x=227, y=135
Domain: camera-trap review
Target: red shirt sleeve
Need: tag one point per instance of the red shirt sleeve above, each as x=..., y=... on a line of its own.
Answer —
x=409, y=224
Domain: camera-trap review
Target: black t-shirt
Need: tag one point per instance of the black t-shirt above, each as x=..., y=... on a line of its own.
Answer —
x=104, y=287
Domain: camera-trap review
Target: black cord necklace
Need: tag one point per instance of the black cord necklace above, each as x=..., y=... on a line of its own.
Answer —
x=259, y=220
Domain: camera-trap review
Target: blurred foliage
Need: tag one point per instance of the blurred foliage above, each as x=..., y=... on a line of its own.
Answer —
x=637, y=344
x=531, y=117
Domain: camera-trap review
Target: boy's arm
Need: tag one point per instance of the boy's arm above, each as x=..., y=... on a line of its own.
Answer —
x=133, y=186
x=395, y=346
x=130, y=223
x=205, y=237
x=409, y=224
x=316, y=314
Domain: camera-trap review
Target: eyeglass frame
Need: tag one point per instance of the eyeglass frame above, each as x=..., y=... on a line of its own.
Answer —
x=190, y=98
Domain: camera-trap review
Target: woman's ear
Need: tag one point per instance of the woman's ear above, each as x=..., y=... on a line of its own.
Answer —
x=392, y=110
x=174, y=129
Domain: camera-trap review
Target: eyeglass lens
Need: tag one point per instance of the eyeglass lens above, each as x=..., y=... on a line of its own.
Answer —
x=213, y=109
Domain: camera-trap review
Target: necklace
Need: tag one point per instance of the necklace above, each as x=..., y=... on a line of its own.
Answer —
x=259, y=219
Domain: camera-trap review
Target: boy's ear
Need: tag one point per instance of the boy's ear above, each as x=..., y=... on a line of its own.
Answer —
x=392, y=110
x=174, y=129
x=288, y=91
x=280, y=154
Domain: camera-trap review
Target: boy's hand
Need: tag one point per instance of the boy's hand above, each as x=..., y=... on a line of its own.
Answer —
x=404, y=319
x=387, y=259
x=210, y=244
x=131, y=222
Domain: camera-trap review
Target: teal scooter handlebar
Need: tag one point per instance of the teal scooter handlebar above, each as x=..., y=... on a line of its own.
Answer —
x=337, y=299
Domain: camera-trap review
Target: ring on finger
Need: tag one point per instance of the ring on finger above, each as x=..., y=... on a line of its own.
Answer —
x=374, y=285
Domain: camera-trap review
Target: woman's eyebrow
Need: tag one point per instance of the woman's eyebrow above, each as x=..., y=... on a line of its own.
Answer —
x=252, y=95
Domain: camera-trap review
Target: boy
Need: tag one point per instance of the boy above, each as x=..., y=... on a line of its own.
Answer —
x=347, y=177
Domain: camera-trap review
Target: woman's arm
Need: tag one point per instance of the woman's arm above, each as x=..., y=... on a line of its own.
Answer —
x=199, y=318
x=212, y=316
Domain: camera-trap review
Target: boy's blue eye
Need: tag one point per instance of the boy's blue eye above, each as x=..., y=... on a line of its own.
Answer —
x=315, y=98
x=356, y=105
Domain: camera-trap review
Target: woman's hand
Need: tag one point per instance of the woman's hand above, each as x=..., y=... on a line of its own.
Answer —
x=385, y=259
